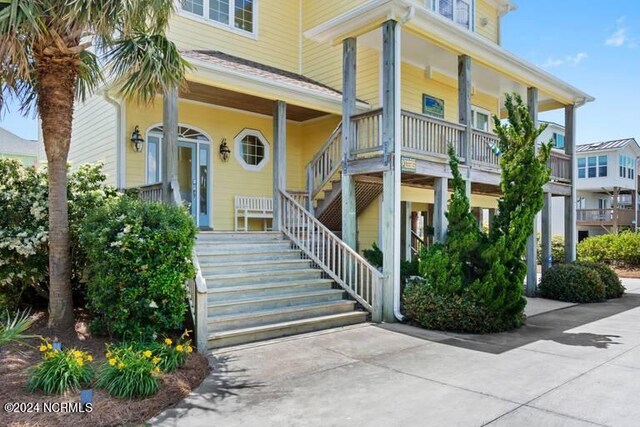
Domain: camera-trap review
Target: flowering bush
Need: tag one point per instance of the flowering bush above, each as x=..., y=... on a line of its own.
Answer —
x=170, y=355
x=24, y=225
x=139, y=258
x=129, y=372
x=60, y=371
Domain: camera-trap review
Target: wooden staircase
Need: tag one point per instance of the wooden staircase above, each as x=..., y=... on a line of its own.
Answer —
x=259, y=287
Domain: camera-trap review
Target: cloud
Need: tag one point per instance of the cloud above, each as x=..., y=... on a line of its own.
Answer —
x=571, y=60
x=620, y=37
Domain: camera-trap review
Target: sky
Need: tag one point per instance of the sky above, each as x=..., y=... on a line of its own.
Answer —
x=591, y=44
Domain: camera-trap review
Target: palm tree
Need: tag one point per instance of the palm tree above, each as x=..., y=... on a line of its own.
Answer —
x=53, y=52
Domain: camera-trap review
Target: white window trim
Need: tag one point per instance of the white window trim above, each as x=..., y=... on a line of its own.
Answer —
x=237, y=146
x=435, y=6
x=598, y=165
x=474, y=111
x=231, y=28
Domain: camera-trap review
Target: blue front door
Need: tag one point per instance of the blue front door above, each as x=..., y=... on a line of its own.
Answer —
x=187, y=179
x=194, y=177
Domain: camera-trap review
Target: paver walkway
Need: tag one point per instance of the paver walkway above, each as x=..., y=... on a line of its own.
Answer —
x=579, y=366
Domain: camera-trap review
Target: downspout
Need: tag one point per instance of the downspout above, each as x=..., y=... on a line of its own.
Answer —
x=119, y=149
x=396, y=283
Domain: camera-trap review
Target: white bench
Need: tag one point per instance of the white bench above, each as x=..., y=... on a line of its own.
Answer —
x=253, y=207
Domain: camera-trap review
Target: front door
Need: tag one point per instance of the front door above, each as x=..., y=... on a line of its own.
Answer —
x=193, y=180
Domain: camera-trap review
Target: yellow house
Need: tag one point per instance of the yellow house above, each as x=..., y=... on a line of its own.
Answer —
x=319, y=119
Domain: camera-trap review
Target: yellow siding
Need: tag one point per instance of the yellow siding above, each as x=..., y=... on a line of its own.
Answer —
x=276, y=42
x=94, y=136
x=368, y=225
x=489, y=14
x=230, y=179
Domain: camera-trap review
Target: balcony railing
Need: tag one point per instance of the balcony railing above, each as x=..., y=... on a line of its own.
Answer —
x=610, y=216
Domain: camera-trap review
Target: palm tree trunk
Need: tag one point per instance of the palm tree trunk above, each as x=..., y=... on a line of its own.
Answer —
x=56, y=93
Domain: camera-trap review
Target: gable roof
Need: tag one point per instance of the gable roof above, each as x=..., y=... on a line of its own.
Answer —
x=606, y=145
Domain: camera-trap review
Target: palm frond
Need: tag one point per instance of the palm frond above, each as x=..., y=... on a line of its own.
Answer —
x=13, y=328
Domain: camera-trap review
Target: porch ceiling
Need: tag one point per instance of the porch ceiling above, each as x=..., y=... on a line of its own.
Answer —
x=241, y=101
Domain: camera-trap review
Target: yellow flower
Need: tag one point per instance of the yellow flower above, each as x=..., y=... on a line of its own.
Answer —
x=108, y=354
x=147, y=354
x=80, y=361
x=155, y=360
x=156, y=369
x=77, y=353
x=90, y=358
x=112, y=362
x=189, y=349
x=121, y=365
x=179, y=347
x=49, y=346
x=168, y=341
x=43, y=347
x=49, y=354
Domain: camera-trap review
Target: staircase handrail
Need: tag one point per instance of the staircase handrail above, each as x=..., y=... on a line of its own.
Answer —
x=314, y=189
x=344, y=265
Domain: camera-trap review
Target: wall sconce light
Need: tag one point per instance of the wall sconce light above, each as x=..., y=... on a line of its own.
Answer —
x=136, y=139
x=224, y=150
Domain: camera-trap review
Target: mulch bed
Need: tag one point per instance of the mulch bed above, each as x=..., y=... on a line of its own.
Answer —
x=627, y=272
x=17, y=359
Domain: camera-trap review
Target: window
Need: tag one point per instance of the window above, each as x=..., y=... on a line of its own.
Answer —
x=592, y=167
x=627, y=167
x=235, y=14
x=459, y=11
x=251, y=149
x=558, y=140
x=480, y=119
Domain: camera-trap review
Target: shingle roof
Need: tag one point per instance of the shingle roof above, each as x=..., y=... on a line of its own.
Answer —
x=256, y=69
x=605, y=145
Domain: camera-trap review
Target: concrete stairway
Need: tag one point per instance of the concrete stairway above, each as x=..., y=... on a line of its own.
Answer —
x=260, y=288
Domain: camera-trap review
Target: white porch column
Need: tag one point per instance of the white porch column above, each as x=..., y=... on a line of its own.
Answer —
x=440, y=197
x=532, y=244
x=279, y=158
x=405, y=231
x=546, y=232
x=570, y=232
x=391, y=138
x=170, y=142
x=349, y=215
x=464, y=112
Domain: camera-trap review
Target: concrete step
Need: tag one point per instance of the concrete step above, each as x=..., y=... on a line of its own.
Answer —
x=248, y=256
x=212, y=248
x=271, y=302
x=255, y=266
x=263, y=289
x=234, y=236
x=276, y=330
x=227, y=322
x=237, y=279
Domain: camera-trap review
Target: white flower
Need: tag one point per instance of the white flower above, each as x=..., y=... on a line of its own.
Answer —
x=153, y=305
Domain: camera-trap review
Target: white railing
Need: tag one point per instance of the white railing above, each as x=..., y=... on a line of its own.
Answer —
x=560, y=165
x=196, y=288
x=422, y=134
x=325, y=163
x=481, y=152
x=349, y=269
x=366, y=133
x=150, y=192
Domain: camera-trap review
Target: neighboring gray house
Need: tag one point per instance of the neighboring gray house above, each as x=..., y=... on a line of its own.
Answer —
x=26, y=150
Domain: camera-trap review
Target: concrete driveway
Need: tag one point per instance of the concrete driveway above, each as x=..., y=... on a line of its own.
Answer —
x=577, y=366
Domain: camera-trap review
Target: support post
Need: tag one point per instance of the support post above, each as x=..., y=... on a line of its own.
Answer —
x=492, y=217
x=310, y=184
x=391, y=137
x=349, y=215
x=405, y=230
x=464, y=112
x=279, y=159
x=532, y=244
x=170, y=142
x=570, y=228
x=546, y=232
x=441, y=195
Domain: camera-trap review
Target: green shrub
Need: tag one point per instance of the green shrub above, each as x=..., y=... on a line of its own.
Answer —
x=613, y=285
x=60, y=371
x=24, y=227
x=170, y=355
x=13, y=328
x=619, y=249
x=572, y=283
x=129, y=372
x=376, y=258
x=139, y=256
x=431, y=309
x=557, y=249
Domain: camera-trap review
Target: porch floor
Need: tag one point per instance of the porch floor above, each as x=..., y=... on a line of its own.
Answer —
x=578, y=366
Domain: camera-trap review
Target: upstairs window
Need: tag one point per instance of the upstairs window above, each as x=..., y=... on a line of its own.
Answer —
x=459, y=11
x=558, y=140
x=480, y=119
x=592, y=167
x=235, y=14
x=627, y=167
